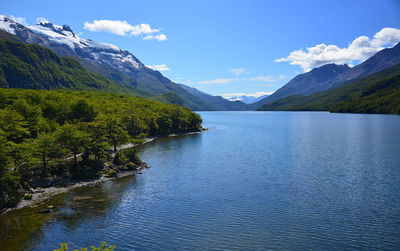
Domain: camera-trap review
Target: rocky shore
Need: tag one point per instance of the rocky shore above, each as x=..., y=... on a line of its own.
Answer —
x=58, y=186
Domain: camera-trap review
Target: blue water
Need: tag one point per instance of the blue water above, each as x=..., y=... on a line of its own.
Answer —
x=254, y=181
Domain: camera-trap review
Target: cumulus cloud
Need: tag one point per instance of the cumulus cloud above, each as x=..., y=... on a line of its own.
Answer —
x=358, y=50
x=20, y=20
x=161, y=37
x=266, y=78
x=252, y=79
x=41, y=20
x=253, y=94
x=159, y=67
x=237, y=71
x=220, y=81
x=122, y=28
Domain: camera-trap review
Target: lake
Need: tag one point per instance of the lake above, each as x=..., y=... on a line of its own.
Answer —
x=254, y=181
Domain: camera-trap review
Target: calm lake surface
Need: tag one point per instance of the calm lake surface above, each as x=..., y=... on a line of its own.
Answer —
x=254, y=181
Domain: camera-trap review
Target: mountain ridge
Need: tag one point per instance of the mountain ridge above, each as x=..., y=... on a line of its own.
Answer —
x=376, y=93
x=377, y=62
x=105, y=59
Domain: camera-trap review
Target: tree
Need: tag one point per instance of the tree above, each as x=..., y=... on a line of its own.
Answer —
x=82, y=111
x=45, y=147
x=69, y=137
x=98, y=143
x=13, y=125
x=31, y=115
x=8, y=180
x=114, y=131
x=134, y=125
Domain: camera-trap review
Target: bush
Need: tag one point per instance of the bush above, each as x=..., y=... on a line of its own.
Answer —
x=27, y=196
x=110, y=173
x=88, y=169
x=131, y=155
x=103, y=247
x=131, y=166
x=120, y=158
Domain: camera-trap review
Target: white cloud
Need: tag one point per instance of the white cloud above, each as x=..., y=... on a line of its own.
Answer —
x=41, y=20
x=161, y=37
x=253, y=79
x=253, y=94
x=122, y=28
x=237, y=71
x=218, y=81
x=266, y=78
x=159, y=67
x=20, y=20
x=359, y=50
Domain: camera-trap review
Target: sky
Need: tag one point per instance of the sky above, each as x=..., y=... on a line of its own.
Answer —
x=226, y=47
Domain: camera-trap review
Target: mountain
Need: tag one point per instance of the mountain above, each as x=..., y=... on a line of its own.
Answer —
x=217, y=101
x=247, y=99
x=383, y=59
x=331, y=76
x=102, y=58
x=31, y=66
x=377, y=93
x=306, y=83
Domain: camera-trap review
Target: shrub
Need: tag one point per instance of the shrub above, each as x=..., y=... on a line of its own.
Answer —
x=103, y=247
x=110, y=173
x=131, y=166
x=27, y=196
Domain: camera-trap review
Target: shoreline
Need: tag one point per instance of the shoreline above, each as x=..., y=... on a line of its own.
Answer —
x=49, y=192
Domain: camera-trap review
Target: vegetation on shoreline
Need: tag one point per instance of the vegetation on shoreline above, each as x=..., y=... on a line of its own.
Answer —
x=69, y=134
x=378, y=93
x=103, y=247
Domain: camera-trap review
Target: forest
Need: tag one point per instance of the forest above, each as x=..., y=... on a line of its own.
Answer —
x=75, y=134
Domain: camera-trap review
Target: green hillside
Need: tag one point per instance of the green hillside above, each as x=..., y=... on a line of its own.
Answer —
x=377, y=93
x=35, y=67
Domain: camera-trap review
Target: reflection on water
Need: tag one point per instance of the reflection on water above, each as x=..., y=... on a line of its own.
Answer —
x=255, y=181
x=23, y=229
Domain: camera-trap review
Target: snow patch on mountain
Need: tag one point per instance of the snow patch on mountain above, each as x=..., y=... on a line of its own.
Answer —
x=247, y=98
x=6, y=24
x=57, y=35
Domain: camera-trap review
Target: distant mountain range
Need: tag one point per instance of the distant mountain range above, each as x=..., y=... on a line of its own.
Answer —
x=331, y=76
x=247, y=99
x=217, y=101
x=84, y=64
x=377, y=93
x=109, y=61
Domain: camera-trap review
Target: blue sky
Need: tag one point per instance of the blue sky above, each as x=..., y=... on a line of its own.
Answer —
x=223, y=46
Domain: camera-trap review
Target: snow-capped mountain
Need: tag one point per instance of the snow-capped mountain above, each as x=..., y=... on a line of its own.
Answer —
x=64, y=41
x=247, y=99
x=106, y=59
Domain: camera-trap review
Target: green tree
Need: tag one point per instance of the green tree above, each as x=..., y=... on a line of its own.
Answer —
x=46, y=147
x=8, y=180
x=13, y=125
x=114, y=131
x=82, y=111
x=72, y=139
x=31, y=115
